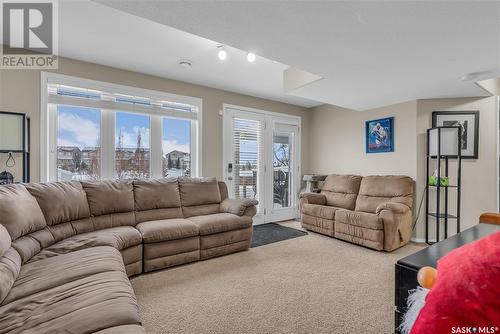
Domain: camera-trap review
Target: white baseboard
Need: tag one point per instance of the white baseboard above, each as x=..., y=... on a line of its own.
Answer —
x=421, y=240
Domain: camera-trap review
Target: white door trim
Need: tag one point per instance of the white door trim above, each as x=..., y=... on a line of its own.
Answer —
x=270, y=119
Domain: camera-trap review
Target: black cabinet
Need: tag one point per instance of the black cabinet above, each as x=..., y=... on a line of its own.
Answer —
x=408, y=267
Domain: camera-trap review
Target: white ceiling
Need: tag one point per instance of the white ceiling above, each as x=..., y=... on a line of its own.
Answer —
x=369, y=53
x=99, y=34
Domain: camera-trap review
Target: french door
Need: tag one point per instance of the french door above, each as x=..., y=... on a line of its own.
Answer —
x=262, y=160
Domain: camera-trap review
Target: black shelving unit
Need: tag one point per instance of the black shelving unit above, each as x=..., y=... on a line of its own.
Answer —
x=440, y=215
x=25, y=150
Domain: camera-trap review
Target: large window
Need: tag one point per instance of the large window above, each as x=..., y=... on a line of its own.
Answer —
x=176, y=147
x=132, y=151
x=78, y=143
x=94, y=130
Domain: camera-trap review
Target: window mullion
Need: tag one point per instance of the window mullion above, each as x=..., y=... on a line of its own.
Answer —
x=194, y=156
x=52, y=152
x=108, y=144
x=156, y=146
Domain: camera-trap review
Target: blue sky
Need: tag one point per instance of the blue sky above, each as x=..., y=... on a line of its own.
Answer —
x=129, y=125
x=81, y=127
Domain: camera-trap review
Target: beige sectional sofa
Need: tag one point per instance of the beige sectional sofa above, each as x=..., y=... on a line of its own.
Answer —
x=68, y=248
x=373, y=211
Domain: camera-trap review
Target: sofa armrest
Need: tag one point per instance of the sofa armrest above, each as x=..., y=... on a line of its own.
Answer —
x=312, y=198
x=393, y=206
x=397, y=220
x=490, y=218
x=237, y=206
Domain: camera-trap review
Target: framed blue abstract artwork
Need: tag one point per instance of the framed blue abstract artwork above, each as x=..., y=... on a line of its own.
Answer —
x=379, y=135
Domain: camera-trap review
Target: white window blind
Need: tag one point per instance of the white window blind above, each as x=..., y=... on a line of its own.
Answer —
x=108, y=99
x=248, y=157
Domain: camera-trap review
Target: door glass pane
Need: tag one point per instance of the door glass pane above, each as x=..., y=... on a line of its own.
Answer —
x=176, y=147
x=247, y=153
x=78, y=143
x=281, y=171
x=132, y=150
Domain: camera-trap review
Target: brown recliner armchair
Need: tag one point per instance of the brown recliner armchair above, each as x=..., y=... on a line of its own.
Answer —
x=373, y=211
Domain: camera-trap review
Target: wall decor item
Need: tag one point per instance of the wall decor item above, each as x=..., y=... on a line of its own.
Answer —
x=15, y=139
x=379, y=134
x=469, y=123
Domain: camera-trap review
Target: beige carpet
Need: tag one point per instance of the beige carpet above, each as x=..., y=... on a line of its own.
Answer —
x=310, y=284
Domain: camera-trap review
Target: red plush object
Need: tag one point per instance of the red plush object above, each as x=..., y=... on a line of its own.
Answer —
x=466, y=295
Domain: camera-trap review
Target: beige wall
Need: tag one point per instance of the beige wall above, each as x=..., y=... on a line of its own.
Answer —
x=337, y=146
x=20, y=92
x=337, y=143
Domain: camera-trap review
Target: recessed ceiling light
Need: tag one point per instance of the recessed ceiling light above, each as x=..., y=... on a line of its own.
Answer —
x=222, y=54
x=185, y=63
x=251, y=57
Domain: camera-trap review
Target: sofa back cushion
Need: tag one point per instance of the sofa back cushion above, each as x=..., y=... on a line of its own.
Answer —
x=341, y=190
x=10, y=266
x=111, y=203
x=60, y=202
x=19, y=211
x=375, y=190
x=157, y=199
x=5, y=240
x=199, y=196
x=223, y=191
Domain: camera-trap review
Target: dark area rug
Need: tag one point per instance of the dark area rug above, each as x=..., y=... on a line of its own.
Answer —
x=269, y=233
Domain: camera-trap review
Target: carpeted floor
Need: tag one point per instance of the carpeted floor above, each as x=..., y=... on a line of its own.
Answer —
x=311, y=284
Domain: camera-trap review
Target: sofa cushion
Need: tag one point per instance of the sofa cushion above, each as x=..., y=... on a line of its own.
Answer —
x=321, y=211
x=156, y=194
x=167, y=229
x=199, y=191
x=109, y=196
x=118, y=237
x=220, y=222
x=19, y=211
x=5, y=240
x=341, y=190
x=223, y=190
x=83, y=306
x=60, y=201
x=10, y=265
x=200, y=210
x=157, y=199
x=363, y=219
x=375, y=190
x=51, y=272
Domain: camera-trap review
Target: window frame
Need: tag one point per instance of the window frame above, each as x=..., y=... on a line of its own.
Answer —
x=48, y=125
